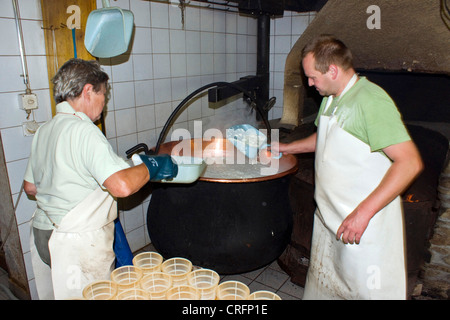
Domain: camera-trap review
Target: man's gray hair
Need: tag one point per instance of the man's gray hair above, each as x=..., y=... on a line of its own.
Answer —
x=69, y=81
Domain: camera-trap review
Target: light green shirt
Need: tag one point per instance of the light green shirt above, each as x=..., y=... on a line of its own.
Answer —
x=70, y=157
x=367, y=112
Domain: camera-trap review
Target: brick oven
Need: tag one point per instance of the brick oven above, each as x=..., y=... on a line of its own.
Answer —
x=408, y=54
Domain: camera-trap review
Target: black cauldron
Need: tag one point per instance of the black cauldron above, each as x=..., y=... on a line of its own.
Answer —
x=228, y=225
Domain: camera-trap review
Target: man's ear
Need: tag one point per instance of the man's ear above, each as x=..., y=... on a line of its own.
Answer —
x=334, y=71
x=88, y=89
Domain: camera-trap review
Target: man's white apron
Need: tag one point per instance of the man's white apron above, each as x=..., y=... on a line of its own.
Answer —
x=81, y=249
x=346, y=173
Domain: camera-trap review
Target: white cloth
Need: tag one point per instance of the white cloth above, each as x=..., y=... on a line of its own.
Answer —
x=81, y=249
x=346, y=173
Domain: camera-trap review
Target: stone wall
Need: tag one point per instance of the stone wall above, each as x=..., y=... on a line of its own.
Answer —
x=436, y=272
x=410, y=38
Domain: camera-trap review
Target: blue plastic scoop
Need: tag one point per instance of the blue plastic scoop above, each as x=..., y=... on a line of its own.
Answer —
x=108, y=31
x=248, y=140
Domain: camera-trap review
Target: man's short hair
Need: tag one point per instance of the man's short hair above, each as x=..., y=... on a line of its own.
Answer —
x=69, y=81
x=327, y=50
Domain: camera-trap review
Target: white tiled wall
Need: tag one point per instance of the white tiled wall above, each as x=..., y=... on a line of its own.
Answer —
x=283, y=35
x=164, y=65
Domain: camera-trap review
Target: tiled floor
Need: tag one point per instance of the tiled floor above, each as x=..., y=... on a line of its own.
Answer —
x=271, y=278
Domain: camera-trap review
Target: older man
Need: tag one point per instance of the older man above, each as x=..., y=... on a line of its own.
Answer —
x=364, y=160
x=74, y=175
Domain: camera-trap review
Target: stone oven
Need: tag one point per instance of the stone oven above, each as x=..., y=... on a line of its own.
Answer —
x=404, y=46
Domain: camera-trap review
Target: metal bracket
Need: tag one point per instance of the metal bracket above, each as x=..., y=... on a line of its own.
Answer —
x=249, y=83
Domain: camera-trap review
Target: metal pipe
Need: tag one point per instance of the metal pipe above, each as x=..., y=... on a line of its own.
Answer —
x=208, y=5
x=263, y=44
x=193, y=94
x=262, y=61
x=21, y=45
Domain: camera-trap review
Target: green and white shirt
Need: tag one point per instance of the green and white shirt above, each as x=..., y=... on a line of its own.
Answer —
x=367, y=112
x=70, y=157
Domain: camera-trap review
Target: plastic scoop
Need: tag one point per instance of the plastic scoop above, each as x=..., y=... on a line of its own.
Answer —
x=108, y=31
x=189, y=168
x=248, y=140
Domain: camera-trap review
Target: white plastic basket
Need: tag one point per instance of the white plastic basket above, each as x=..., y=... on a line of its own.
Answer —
x=178, y=268
x=156, y=284
x=127, y=277
x=232, y=290
x=100, y=290
x=263, y=295
x=148, y=262
x=133, y=294
x=183, y=292
x=206, y=281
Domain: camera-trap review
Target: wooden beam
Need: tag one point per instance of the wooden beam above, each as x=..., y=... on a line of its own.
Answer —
x=59, y=38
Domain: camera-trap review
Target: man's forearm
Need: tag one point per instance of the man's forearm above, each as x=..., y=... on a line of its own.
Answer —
x=305, y=145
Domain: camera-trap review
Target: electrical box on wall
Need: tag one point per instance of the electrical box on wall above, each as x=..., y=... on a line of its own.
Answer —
x=28, y=101
x=29, y=128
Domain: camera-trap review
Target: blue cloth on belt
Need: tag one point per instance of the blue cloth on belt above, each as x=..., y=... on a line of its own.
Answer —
x=124, y=256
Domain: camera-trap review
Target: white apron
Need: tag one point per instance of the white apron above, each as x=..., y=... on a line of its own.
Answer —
x=346, y=173
x=81, y=249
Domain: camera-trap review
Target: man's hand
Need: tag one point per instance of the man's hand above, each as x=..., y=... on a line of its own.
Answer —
x=159, y=166
x=30, y=188
x=353, y=227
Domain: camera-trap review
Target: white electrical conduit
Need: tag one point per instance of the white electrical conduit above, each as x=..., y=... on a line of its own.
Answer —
x=25, y=80
x=21, y=45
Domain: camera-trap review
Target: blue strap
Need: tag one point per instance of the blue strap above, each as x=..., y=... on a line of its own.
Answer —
x=124, y=256
x=74, y=39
